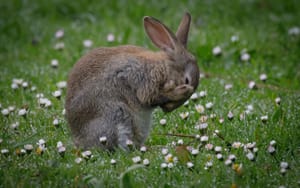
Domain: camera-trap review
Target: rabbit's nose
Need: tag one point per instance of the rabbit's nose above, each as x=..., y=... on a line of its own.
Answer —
x=187, y=80
x=191, y=76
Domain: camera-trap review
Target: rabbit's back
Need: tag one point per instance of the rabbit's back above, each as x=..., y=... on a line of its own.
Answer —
x=95, y=65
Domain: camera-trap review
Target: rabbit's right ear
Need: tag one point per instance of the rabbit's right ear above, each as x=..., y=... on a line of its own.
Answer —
x=183, y=29
x=159, y=34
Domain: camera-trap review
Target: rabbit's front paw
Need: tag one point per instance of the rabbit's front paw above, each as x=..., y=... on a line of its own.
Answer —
x=170, y=85
x=180, y=92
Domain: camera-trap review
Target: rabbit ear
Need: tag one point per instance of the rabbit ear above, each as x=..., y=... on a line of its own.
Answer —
x=159, y=34
x=183, y=29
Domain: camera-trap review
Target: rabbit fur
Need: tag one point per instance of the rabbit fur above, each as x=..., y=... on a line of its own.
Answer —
x=112, y=91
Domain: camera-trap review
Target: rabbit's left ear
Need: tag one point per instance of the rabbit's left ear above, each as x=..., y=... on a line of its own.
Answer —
x=183, y=29
x=159, y=34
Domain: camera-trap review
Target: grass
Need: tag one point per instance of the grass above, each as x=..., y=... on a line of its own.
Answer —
x=27, y=48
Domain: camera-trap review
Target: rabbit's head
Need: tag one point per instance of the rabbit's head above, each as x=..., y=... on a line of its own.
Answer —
x=181, y=66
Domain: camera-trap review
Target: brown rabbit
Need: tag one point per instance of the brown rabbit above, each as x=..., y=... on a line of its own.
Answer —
x=112, y=91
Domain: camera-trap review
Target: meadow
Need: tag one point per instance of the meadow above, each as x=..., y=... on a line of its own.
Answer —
x=240, y=129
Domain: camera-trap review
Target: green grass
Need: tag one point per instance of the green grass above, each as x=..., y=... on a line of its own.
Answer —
x=27, y=39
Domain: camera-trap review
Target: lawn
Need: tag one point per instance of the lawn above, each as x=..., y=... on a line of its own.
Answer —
x=240, y=129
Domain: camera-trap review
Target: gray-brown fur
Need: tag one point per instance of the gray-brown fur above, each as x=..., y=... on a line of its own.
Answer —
x=113, y=91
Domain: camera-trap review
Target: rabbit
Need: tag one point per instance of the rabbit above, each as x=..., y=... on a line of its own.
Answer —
x=112, y=91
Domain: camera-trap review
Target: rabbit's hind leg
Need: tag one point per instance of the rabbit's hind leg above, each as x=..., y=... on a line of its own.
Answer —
x=99, y=133
x=125, y=135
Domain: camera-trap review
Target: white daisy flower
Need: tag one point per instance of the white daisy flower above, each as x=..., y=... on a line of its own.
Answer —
x=41, y=142
x=180, y=142
x=143, y=149
x=59, y=46
x=184, y=115
x=28, y=147
x=15, y=125
x=136, y=159
x=245, y=57
x=54, y=63
x=278, y=100
x=209, y=146
x=22, y=112
x=129, y=142
x=218, y=149
x=230, y=115
x=213, y=116
x=78, y=160
x=113, y=161
x=61, y=84
x=284, y=165
x=11, y=108
x=228, y=162
x=186, y=103
x=255, y=150
x=194, y=96
x=282, y=170
x=61, y=150
x=199, y=108
x=86, y=154
x=250, y=145
x=163, y=165
x=201, y=126
x=217, y=51
x=59, y=144
x=272, y=142
x=190, y=164
x=110, y=37
x=209, y=164
x=5, y=112
x=59, y=34
x=202, y=94
x=232, y=157
x=219, y=156
x=201, y=75
x=209, y=105
x=169, y=158
x=164, y=151
x=55, y=122
x=87, y=43
x=103, y=139
x=195, y=152
x=251, y=85
x=20, y=152
x=25, y=84
x=249, y=107
x=33, y=88
x=263, y=77
x=264, y=118
x=146, y=162
x=234, y=38
x=250, y=156
x=4, y=151
x=294, y=31
x=163, y=121
x=228, y=86
x=39, y=95
x=271, y=149
x=14, y=86
x=18, y=81
x=237, y=145
x=44, y=102
x=204, y=138
x=170, y=165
